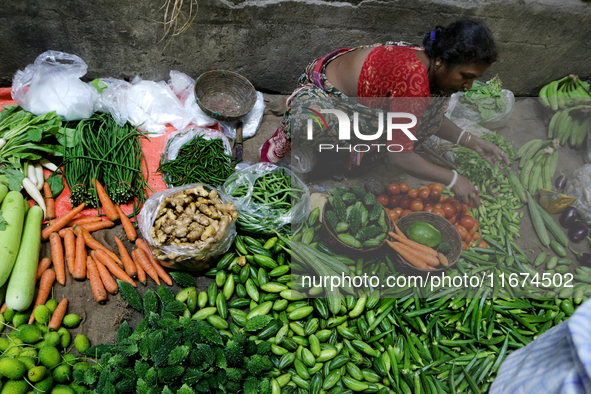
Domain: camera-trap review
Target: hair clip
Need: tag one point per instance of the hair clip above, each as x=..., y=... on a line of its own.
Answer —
x=432, y=37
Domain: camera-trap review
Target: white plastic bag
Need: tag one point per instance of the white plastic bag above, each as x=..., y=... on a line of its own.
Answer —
x=153, y=105
x=113, y=99
x=265, y=214
x=465, y=117
x=53, y=83
x=579, y=187
x=183, y=87
x=250, y=122
x=197, y=257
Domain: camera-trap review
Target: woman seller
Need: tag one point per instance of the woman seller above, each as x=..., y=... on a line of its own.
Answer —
x=450, y=60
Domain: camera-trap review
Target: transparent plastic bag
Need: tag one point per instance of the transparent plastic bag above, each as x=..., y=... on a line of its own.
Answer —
x=179, y=138
x=183, y=87
x=250, y=122
x=267, y=217
x=153, y=105
x=52, y=83
x=579, y=187
x=189, y=257
x=465, y=117
x=113, y=99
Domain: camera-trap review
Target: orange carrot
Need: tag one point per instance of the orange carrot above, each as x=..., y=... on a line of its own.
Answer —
x=398, y=231
x=3, y=308
x=45, y=285
x=61, y=222
x=414, y=245
x=94, y=244
x=442, y=259
x=49, y=201
x=102, y=257
x=58, y=315
x=70, y=246
x=430, y=260
x=127, y=225
x=141, y=274
x=86, y=220
x=96, y=283
x=79, y=269
x=106, y=202
x=90, y=227
x=408, y=257
x=57, y=255
x=43, y=266
x=140, y=256
x=108, y=281
x=125, y=259
x=161, y=272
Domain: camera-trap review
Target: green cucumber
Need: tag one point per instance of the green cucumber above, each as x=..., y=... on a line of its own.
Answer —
x=557, y=248
x=21, y=285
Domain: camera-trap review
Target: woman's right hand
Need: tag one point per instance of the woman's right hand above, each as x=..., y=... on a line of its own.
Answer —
x=464, y=191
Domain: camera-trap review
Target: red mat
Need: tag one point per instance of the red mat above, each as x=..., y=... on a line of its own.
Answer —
x=152, y=150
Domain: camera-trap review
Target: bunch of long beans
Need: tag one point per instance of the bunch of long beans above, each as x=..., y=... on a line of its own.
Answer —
x=110, y=153
x=198, y=161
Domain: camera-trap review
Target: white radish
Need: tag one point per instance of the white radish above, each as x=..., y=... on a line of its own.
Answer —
x=2, y=142
x=35, y=194
x=31, y=174
x=47, y=164
x=40, y=176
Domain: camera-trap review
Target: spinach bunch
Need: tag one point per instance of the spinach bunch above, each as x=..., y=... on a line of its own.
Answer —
x=487, y=99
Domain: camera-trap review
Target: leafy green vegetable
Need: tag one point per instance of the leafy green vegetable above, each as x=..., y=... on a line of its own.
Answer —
x=486, y=99
x=13, y=178
x=56, y=184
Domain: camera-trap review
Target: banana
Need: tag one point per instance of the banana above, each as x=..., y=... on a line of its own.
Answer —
x=551, y=169
x=565, y=129
x=582, y=95
x=536, y=176
x=582, y=133
x=525, y=174
x=552, y=92
x=575, y=132
x=544, y=96
x=560, y=97
x=531, y=151
x=525, y=147
x=552, y=125
x=585, y=85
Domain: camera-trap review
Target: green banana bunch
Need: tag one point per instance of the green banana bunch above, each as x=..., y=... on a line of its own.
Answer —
x=570, y=125
x=565, y=92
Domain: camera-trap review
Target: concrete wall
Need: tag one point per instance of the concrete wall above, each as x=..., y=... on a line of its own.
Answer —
x=271, y=41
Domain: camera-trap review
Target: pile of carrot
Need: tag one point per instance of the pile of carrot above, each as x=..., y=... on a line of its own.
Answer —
x=101, y=264
x=418, y=255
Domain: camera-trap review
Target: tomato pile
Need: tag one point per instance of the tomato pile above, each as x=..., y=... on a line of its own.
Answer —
x=400, y=200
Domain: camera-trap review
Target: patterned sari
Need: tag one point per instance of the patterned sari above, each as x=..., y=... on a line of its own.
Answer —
x=391, y=70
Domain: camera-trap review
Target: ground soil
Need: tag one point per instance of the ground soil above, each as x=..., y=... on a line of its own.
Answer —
x=101, y=321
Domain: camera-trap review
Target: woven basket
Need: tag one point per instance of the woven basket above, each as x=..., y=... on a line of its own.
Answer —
x=448, y=232
x=224, y=95
x=333, y=239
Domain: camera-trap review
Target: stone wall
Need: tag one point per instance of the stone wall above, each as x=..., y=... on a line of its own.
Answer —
x=271, y=41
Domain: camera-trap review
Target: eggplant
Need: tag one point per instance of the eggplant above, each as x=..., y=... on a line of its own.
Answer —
x=583, y=258
x=568, y=217
x=560, y=182
x=578, y=231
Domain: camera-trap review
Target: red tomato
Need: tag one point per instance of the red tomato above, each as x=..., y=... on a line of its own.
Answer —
x=428, y=208
x=462, y=231
x=393, y=215
x=416, y=205
x=383, y=199
x=394, y=201
x=475, y=228
x=482, y=244
x=404, y=188
x=438, y=211
x=436, y=186
x=442, y=198
x=435, y=195
x=428, y=203
x=468, y=238
x=422, y=187
x=465, y=208
x=468, y=213
x=448, y=209
x=398, y=210
x=472, y=205
x=405, y=212
x=452, y=219
x=424, y=194
x=438, y=205
x=393, y=189
x=464, y=246
x=413, y=193
x=405, y=201
x=457, y=206
x=467, y=221
x=450, y=199
x=476, y=236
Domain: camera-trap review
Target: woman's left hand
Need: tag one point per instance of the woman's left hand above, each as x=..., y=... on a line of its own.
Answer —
x=489, y=152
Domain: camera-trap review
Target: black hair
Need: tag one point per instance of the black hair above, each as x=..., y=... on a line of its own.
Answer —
x=464, y=41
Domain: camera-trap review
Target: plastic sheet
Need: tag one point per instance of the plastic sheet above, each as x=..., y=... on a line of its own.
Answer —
x=52, y=83
x=113, y=99
x=267, y=216
x=196, y=257
x=579, y=187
